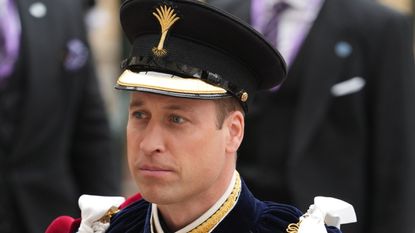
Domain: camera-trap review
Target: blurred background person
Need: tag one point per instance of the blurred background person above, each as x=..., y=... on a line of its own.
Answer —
x=346, y=106
x=55, y=141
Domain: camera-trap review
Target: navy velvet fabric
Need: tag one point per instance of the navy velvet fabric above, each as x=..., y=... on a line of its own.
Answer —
x=248, y=216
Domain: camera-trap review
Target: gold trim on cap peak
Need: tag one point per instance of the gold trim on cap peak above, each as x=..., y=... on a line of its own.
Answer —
x=167, y=82
x=166, y=17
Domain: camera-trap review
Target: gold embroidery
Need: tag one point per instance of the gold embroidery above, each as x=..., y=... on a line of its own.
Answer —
x=226, y=207
x=293, y=227
x=166, y=17
x=108, y=215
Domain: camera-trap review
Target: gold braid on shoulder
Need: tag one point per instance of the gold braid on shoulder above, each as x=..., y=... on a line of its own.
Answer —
x=293, y=227
x=108, y=215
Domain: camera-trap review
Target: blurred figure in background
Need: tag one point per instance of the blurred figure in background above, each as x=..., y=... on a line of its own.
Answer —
x=342, y=124
x=55, y=142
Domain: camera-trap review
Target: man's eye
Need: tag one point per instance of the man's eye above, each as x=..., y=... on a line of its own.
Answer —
x=177, y=119
x=138, y=115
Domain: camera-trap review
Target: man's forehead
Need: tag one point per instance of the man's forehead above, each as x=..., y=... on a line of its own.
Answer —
x=139, y=99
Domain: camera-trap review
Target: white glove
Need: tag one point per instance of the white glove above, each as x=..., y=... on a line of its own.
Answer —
x=93, y=208
x=329, y=211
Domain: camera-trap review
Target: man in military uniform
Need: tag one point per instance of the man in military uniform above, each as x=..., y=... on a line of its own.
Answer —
x=191, y=73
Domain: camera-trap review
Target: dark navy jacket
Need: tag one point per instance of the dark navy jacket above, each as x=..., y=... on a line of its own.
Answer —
x=249, y=215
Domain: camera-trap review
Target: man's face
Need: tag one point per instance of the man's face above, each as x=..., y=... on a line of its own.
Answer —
x=176, y=152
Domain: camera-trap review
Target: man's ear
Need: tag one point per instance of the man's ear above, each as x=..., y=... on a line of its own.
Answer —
x=235, y=125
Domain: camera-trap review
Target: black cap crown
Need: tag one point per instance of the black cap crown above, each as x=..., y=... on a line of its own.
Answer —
x=189, y=49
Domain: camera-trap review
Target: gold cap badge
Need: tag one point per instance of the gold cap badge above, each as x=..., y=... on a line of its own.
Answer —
x=166, y=17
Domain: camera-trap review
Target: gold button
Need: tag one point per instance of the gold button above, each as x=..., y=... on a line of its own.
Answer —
x=244, y=97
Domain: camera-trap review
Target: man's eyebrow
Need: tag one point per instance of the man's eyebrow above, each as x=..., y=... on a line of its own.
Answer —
x=180, y=107
x=173, y=106
x=136, y=103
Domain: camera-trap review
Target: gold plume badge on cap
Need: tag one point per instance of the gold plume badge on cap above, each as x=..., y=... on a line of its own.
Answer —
x=166, y=17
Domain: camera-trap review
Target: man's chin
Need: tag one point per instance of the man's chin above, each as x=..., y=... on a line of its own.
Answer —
x=157, y=198
x=156, y=194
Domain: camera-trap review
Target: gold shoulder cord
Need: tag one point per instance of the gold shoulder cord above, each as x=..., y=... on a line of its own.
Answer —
x=226, y=207
x=293, y=227
x=108, y=215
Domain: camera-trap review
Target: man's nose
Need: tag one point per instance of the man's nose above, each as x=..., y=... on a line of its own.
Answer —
x=153, y=139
